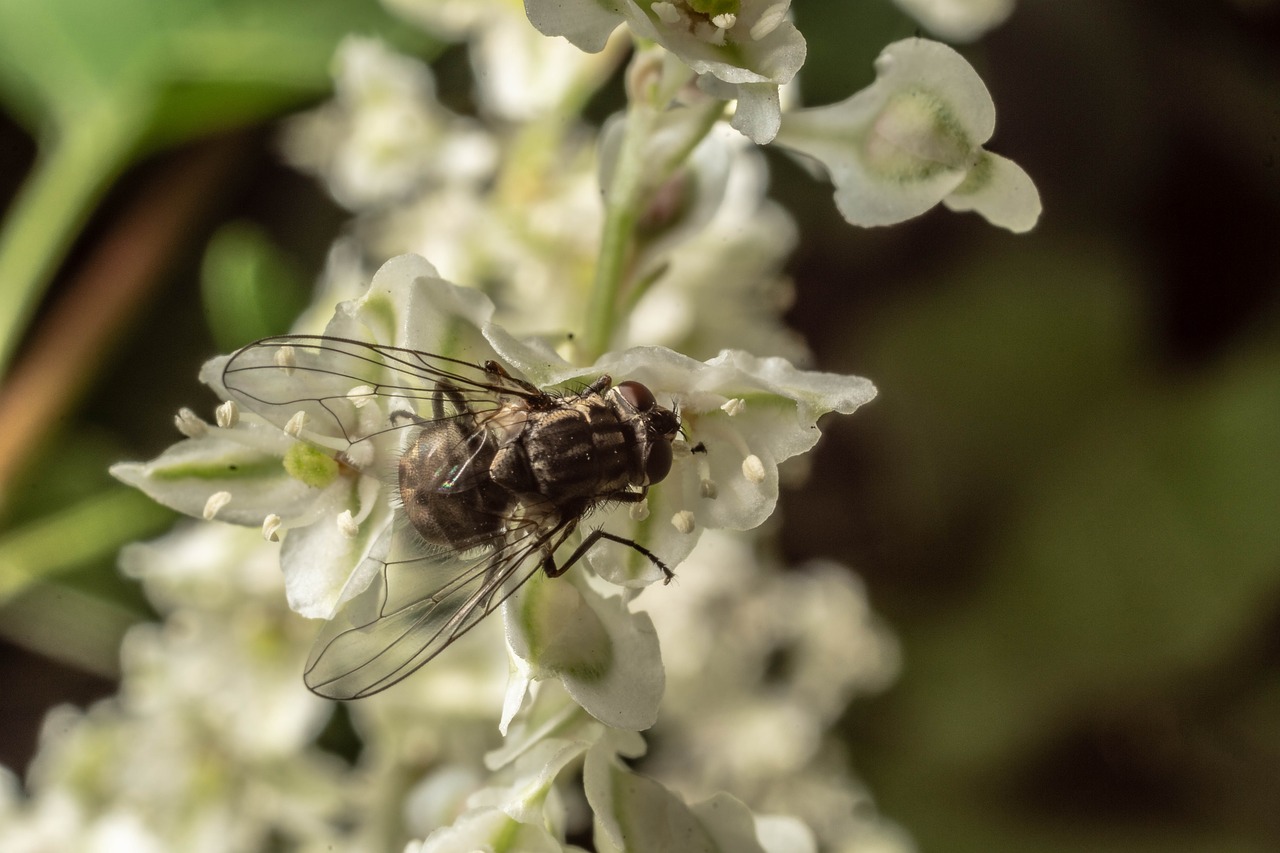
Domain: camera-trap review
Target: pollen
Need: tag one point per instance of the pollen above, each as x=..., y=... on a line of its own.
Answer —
x=286, y=359
x=361, y=396
x=190, y=424
x=296, y=424
x=769, y=21
x=347, y=525
x=271, y=527
x=216, y=502
x=666, y=12
x=227, y=415
x=683, y=521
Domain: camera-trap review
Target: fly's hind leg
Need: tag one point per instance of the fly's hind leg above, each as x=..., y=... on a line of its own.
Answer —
x=442, y=391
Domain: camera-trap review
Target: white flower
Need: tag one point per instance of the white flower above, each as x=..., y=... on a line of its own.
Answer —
x=958, y=20
x=385, y=135
x=519, y=74
x=635, y=813
x=912, y=139
x=718, y=259
x=606, y=656
x=741, y=49
x=768, y=661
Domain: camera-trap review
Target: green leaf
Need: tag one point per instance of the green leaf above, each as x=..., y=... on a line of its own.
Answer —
x=100, y=83
x=250, y=288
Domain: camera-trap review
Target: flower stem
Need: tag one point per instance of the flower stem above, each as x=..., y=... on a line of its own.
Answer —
x=621, y=209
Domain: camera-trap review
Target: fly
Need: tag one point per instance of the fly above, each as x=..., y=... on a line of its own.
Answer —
x=493, y=476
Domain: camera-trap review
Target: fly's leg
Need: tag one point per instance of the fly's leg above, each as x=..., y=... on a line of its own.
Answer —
x=442, y=390
x=553, y=571
x=497, y=371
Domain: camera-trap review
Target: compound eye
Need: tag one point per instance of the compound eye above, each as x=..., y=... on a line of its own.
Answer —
x=637, y=396
x=658, y=465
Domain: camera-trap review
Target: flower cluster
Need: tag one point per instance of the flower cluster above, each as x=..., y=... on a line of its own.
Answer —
x=695, y=715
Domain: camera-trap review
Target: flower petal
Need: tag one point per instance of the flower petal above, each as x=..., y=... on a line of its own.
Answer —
x=901, y=145
x=958, y=20
x=1001, y=191
x=636, y=813
x=186, y=474
x=606, y=656
x=585, y=23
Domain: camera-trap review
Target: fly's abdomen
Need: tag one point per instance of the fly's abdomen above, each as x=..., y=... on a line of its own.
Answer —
x=446, y=491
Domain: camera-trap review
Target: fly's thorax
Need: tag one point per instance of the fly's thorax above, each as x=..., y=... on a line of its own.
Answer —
x=507, y=422
x=590, y=447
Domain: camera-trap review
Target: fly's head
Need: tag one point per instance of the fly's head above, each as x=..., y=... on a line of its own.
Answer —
x=656, y=427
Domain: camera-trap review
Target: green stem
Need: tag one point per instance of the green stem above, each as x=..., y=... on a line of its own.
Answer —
x=91, y=529
x=68, y=177
x=621, y=209
x=694, y=133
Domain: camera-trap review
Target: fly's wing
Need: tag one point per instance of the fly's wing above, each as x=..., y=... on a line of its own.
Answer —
x=319, y=386
x=415, y=607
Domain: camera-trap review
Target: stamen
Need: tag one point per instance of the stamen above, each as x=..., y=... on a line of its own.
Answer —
x=271, y=527
x=347, y=524
x=753, y=469
x=769, y=21
x=734, y=407
x=683, y=521
x=706, y=486
x=359, y=455
x=725, y=21
x=639, y=511
x=190, y=424
x=667, y=13
x=296, y=424
x=227, y=415
x=752, y=466
x=216, y=501
x=286, y=359
x=361, y=396
x=709, y=33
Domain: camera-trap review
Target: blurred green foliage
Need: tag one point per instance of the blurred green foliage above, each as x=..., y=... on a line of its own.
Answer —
x=99, y=84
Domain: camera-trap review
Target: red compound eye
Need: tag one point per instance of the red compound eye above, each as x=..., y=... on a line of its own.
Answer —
x=658, y=465
x=637, y=396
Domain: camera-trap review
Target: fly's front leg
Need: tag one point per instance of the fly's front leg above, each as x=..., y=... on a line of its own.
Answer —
x=553, y=571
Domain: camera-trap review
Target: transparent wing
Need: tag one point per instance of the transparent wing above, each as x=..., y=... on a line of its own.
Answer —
x=328, y=380
x=417, y=605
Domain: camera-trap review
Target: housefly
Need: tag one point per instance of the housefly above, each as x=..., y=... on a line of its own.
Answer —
x=492, y=476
